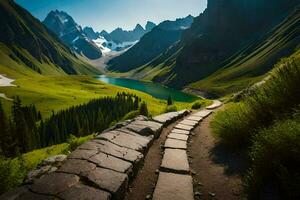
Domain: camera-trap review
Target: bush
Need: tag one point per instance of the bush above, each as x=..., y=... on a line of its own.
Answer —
x=276, y=160
x=172, y=108
x=144, y=109
x=74, y=141
x=278, y=97
x=131, y=115
x=197, y=105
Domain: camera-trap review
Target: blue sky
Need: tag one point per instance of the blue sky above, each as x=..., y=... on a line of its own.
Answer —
x=110, y=14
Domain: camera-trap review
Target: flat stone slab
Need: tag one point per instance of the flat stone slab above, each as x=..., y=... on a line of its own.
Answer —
x=180, y=131
x=114, y=182
x=114, y=150
x=203, y=113
x=124, y=140
x=195, y=118
x=178, y=136
x=216, y=104
x=155, y=126
x=83, y=192
x=173, y=187
x=175, y=144
x=54, y=183
x=175, y=161
x=184, y=127
x=82, y=154
x=144, y=139
x=106, y=161
x=75, y=166
x=189, y=122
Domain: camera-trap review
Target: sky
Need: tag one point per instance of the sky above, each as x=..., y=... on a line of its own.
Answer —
x=111, y=14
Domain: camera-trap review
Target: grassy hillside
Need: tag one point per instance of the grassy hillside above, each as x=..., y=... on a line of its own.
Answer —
x=27, y=47
x=250, y=64
x=266, y=123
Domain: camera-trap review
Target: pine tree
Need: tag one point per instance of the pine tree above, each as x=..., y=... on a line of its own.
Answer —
x=144, y=109
x=170, y=100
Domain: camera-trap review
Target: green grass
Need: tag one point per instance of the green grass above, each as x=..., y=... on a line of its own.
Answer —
x=13, y=171
x=60, y=92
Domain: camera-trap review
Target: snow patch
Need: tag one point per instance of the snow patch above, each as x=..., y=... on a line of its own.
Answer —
x=6, y=82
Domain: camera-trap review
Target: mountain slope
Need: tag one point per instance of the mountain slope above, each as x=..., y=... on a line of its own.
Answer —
x=71, y=34
x=254, y=60
x=151, y=45
x=26, y=46
x=224, y=29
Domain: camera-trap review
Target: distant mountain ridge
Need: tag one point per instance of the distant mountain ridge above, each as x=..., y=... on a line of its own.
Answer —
x=119, y=35
x=27, y=47
x=151, y=45
x=71, y=34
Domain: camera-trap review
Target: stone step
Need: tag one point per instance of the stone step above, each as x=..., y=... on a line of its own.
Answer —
x=175, y=144
x=172, y=186
x=195, y=118
x=189, y=122
x=203, y=113
x=216, y=104
x=180, y=131
x=175, y=161
x=184, y=127
x=178, y=136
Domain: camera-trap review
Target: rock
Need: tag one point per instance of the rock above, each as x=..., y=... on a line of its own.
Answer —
x=34, y=174
x=179, y=131
x=125, y=140
x=184, y=127
x=54, y=160
x=15, y=194
x=175, y=161
x=78, y=167
x=212, y=194
x=54, y=183
x=114, y=182
x=200, y=184
x=173, y=187
x=198, y=194
x=110, y=162
x=195, y=118
x=114, y=150
x=83, y=192
x=189, y=122
x=178, y=136
x=203, y=113
x=82, y=154
x=175, y=144
x=148, y=197
x=216, y=104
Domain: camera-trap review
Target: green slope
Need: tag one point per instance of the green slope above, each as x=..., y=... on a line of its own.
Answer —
x=251, y=63
x=27, y=48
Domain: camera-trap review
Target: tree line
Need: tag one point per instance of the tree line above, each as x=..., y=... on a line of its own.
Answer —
x=25, y=130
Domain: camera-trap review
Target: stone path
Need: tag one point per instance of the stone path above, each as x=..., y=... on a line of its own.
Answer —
x=175, y=181
x=103, y=167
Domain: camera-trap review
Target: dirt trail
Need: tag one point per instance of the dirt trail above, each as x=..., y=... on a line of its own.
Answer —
x=145, y=181
x=216, y=171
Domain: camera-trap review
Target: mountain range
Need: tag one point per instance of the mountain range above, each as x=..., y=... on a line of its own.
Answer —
x=233, y=34
x=86, y=41
x=152, y=44
x=27, y=47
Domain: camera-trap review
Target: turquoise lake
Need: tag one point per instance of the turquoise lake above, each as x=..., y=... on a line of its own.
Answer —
x=154, y=89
